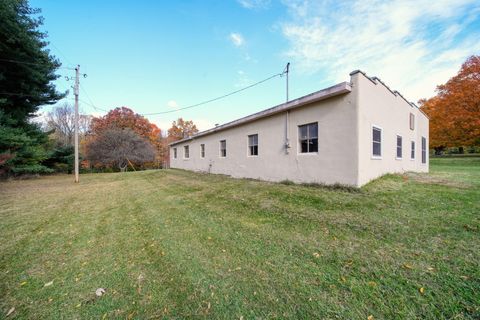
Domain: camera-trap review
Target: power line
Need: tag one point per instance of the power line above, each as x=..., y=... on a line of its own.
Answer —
x=217, y=98
x=89, y=99
x=32, y=63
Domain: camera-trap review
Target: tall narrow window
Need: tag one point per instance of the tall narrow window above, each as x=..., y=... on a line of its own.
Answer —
x=202, y=150
x=376, y=142
x=253, y=145
x=174, y=153
x=186, y=152
x=399, y=147
x=412, y=121
x=223, y=148
x=412, y=152
x=424, y=150
x=308, y=135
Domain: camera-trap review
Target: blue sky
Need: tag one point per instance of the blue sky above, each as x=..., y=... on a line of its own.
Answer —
x=155, y=56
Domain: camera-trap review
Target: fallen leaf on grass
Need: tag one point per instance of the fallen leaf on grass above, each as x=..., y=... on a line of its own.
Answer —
x=407, y=266
x=23, y=283
x=78, y=305
x=372, y=283
x=422, y=290
x=99, y=292
x=12, y=309
x=343, y=279
x=316, y=254
x=349, y=263
x=370, y=317
x=48, y=284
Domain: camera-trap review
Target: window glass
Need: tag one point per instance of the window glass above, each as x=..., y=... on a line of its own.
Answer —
x=308, y=136
x=412, y=152
x=399, y=146
x=186, y=150
x=253, y=145
x=376, y=142
x=175, y=153
x=424, y=150
x=223, y=148
x=202, y=150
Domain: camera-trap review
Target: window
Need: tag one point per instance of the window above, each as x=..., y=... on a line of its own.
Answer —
x=424, y=150
x=223, y=148
x=253, y=145
x=202, y=150
x=412, y=121
x=399, y=147
x=376, y=142
x=175, y=153
x=308, y=137
x=412, y=152
x=186, y=152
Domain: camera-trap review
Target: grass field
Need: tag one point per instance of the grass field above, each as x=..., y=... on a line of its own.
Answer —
x=176, y=244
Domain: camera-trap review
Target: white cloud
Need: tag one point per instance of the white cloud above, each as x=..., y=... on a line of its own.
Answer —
x=254, y=4
x=237, y=39
x=411, y=45
x=243, y=79
x=172, y=104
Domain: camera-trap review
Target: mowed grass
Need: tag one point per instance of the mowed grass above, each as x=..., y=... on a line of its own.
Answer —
x=176, y=244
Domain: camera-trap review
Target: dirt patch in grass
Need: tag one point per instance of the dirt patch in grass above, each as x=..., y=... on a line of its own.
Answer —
x=437, y=179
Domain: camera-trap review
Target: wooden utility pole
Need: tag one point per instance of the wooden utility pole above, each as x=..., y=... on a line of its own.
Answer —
x=77, y=80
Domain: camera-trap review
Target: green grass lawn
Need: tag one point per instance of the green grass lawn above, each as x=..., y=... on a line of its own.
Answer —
x=176, y=244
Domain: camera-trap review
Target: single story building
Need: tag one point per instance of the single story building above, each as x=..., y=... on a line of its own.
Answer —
x=348, y=134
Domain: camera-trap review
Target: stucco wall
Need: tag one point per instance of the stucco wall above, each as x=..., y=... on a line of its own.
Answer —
x=335, y=162
x=380, y=107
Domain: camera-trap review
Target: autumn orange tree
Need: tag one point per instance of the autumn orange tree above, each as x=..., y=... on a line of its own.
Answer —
x=181, y=129
x=126, y=118
x=455, y=111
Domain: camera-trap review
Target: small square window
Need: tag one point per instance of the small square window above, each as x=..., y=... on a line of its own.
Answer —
x=376, y=142
x=223, y=148
x=186, y=152
x=202, y=150
x=308, y=137
x=399, y=147
x=253, y=145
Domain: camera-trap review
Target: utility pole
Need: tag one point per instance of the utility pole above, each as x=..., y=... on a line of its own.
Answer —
x=287, y=140
x=77, y=82
x=287, y=69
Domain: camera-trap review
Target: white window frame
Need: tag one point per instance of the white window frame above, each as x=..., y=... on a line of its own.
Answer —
x=175, y=153
x=186, y=148
x=202, y=150
x=376, y=157
x=299, y=140
x=220, y=149
x=401, y=147
x=423, y=151
x=412, y=149
x=249, y=154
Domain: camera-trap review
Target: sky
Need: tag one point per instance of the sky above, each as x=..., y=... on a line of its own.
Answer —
x=158, y=56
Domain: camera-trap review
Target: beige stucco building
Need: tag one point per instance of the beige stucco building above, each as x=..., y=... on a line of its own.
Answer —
x=348, y=134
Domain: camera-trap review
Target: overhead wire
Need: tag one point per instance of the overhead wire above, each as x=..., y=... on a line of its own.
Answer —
x=217, y=98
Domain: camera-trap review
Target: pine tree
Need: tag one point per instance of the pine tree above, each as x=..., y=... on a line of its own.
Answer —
x=27, y=71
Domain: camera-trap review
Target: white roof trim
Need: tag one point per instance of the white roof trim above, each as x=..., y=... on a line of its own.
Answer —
x=323, y=94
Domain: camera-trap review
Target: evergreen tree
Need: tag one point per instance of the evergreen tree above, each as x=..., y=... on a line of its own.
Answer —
x=26, y=73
